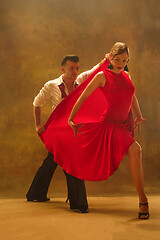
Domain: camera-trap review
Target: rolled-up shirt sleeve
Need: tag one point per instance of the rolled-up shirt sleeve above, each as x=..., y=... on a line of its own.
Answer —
x=42, y=96
x=81, y=77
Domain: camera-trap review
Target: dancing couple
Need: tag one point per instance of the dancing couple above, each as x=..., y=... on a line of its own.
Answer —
x=91, y=130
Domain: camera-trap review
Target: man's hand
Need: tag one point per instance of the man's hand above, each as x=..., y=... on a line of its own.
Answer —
x=75, y=127
x=40, y=129
x=137, y=123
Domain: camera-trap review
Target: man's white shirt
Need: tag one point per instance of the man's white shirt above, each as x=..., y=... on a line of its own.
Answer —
x=51, y=89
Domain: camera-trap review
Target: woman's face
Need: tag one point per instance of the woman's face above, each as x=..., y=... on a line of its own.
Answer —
x=119, y=61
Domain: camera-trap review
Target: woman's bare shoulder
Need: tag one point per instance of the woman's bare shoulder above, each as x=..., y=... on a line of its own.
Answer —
x=100, y=75
x=101, y=78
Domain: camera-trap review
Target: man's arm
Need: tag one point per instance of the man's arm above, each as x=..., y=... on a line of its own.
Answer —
x=38, y=102
x=86, y=74
x=37, y=117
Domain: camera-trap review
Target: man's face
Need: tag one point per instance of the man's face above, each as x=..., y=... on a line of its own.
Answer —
x=71, y=70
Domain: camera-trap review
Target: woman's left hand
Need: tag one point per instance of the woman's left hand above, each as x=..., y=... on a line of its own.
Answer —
x=106, y=57
x=137, y=123
x=75, y=127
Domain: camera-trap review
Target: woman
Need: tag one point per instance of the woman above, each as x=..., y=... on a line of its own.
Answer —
x=119, y=92
x=104, y=106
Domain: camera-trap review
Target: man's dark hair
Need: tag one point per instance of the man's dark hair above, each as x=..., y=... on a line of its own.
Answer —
x=72, y=58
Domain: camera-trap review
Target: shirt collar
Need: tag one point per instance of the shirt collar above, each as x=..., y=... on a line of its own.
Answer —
x=60, y=81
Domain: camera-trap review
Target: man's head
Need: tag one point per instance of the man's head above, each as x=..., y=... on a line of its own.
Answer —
x=70, y=67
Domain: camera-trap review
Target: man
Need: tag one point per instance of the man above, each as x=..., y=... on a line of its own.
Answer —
x=56, y=90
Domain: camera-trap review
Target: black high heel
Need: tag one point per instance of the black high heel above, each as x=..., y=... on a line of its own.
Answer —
x=143, y=214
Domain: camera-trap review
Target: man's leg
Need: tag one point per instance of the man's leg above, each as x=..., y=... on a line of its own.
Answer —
x=77, y=193
x=39, y=187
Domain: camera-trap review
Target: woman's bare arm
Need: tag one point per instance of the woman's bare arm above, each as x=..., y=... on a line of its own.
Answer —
x=98, y=81
x=136, y=108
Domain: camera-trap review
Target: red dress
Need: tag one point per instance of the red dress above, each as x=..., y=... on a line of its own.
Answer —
x=108, y=128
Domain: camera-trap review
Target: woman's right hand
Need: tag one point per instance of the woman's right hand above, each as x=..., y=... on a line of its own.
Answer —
x=75, y=127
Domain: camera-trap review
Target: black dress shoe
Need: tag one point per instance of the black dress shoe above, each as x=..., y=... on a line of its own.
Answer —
x=43, y=199
x=83, y=210
x=80, y=210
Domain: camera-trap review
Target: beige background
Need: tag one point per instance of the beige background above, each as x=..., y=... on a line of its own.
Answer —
x=34, y=37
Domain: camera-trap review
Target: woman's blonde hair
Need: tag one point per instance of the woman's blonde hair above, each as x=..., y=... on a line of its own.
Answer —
x=119, y=48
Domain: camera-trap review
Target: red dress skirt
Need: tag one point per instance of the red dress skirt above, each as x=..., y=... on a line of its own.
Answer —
x=108, y=129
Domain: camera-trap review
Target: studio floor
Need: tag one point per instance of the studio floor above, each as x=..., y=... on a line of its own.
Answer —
x=109, y=218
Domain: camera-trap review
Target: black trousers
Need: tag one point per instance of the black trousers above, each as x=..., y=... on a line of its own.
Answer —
x=39, y=187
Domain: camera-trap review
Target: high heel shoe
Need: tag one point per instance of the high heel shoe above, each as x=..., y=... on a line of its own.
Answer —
x=140, y=214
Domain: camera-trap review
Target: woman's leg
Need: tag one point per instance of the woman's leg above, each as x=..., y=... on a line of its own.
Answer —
x=136, y=168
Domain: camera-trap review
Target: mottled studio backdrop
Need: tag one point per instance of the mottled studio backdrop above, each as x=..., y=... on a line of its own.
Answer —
x=34, y=37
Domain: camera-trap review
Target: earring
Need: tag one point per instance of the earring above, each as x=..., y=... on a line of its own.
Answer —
x=110, y=66
x=126, y=68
